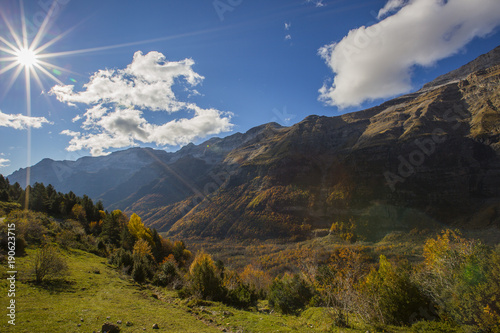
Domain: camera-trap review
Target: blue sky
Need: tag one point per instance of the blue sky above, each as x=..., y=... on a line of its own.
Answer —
x=164, y=73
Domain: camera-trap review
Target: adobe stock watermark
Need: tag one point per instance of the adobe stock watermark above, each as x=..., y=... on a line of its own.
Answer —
x=11, y=273
x=365, y=37
x=49, y=9
x=224, y=6
x=283, y=117
x=424, y=148
x=202, y=197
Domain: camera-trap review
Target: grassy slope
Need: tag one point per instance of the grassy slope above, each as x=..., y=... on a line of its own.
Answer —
x=93, y=296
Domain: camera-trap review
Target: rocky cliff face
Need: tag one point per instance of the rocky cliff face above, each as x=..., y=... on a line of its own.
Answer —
x=426, y=159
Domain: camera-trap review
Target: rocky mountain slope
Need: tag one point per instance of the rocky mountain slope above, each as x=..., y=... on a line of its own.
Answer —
x=430, y=158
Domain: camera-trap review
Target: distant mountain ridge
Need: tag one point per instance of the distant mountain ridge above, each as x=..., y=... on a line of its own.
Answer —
x=420, y=160
x=111, y=178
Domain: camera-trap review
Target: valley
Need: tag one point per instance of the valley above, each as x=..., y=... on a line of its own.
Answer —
x=385, y=219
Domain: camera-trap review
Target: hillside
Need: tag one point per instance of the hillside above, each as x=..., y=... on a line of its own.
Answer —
x=101, y=293
x=430, y=158
x=421, y=160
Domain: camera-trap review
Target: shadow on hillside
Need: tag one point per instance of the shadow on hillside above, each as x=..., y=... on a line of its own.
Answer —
x=55, y=286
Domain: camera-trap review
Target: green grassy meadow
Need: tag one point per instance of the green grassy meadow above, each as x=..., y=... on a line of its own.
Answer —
x=95, y=290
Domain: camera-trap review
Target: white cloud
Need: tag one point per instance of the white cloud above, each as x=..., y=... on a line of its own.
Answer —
x=124, y=127
x=391, y=6
x=288, y=37
x=19, y=121
x=146, y=84
x=4, y=162
x=317, y=3
x=375, y=62
x=118, y=100
x=288, y=26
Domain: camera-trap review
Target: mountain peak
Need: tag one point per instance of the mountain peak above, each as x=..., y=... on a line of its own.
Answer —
x=482, y=62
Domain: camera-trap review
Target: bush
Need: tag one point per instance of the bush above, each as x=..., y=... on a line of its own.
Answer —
x=463, y=278
x=31, y=225
x=394, y=297
x=345, y=231
x=204, y=278
x=257, y=279
x=243, y=296
x=289, y=295
x=142, y=269
x=166, y=274
x=4, y=241
x=238, y=293
x=7, y=207
x=48, y=264
x=122, y=259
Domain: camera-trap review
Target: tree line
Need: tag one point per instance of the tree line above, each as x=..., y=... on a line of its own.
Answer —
x=46, y=199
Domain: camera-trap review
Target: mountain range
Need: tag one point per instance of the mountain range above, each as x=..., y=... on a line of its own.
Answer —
x=425, y=159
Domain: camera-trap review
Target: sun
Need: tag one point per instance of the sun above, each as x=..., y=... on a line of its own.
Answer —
x=26, y=57
x=18, y=54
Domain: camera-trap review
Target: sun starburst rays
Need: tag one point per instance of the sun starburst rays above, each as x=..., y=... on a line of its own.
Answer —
x=22, y=55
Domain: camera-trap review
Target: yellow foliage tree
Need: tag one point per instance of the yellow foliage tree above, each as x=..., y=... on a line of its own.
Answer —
x=78, y=213
x=142, y=249
x=256, y=278
x=463, y=278
x=205, y=281
x=138, y=230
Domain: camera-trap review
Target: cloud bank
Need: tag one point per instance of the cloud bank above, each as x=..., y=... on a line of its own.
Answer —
x=20, y=122
x=117, y=101
x=376, y=61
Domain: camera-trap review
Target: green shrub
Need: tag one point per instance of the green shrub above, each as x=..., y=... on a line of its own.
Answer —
x=7, y=207
x=166, y=274
x=238, y=293
x=391, y=292
x=20, y=243
x=142, y=269
x=243, y=296
x=463, y=278
x=289, y=295
x=204, y=278
x=122, y=259
x=31, y=225
x=48, y=264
